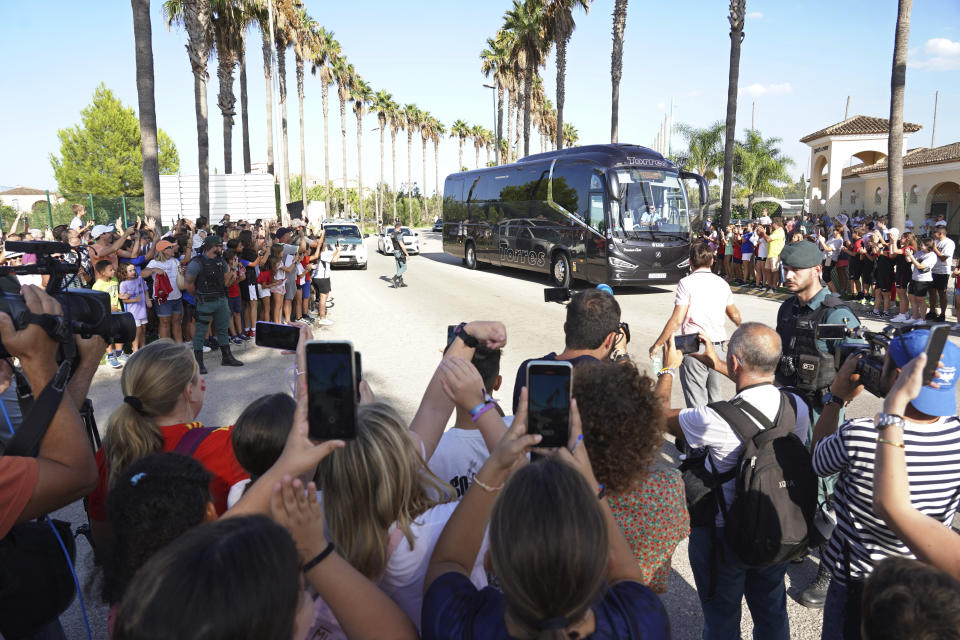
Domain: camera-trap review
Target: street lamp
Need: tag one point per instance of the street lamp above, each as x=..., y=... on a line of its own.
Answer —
x=496, y=132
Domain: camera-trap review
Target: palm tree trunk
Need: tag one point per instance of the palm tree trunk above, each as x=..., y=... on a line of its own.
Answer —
x=197, y=22
x=303, y=153
x=510, y=105
x=360, y=163
x=436, y=169
x=343, y=139
x=282, y=81
x=476, y=150
x=898, y=81
x=518, y=137
x=383, y=125
x=244, y=113
x=268, y=76
x=393, y=153
x=527, y=89
x=143, y=42
x=616, y=68
x=226, y=101
x=410, y=174
x=426, y=210
x=324, y=92
x=460, y=157
x=561, y=85
x=499, y=121
x=737, y=12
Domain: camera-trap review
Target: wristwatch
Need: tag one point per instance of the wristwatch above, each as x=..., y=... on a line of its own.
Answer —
x=883, y=420
x=830, y=396
x=468, y=339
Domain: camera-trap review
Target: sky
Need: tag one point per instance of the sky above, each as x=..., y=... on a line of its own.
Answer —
x=799, y=62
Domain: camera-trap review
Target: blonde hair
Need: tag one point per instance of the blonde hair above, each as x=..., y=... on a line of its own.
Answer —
x=378, y=479
x=155, y=375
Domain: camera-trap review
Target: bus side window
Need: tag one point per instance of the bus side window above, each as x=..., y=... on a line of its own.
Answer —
x=597, y=220
x=571, y=183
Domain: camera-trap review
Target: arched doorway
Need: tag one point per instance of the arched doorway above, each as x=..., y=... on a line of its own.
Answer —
x=944, y=198
x=869, y=157
x=819, y=183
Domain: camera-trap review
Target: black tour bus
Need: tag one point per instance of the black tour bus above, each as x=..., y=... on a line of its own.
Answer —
x=611, y=213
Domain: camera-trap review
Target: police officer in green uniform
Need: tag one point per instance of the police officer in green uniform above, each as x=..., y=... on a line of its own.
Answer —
x=206, y=281
x=807, y=364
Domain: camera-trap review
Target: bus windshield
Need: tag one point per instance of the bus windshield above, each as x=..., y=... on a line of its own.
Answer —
x=651, y=202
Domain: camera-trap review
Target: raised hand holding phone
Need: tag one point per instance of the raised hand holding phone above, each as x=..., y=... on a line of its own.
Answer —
x=332, y=389
x=549, y=388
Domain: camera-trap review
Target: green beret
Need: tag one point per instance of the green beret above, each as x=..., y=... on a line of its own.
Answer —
x=801, y=255
x=210, y=241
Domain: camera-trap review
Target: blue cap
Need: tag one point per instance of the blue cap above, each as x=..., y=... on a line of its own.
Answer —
x=605, y=287
x=933, y=402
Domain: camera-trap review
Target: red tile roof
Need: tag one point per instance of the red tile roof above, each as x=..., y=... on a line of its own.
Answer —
x=919, y=157
x=859, y=125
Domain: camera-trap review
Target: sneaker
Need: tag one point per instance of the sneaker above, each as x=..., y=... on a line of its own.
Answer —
x=324, y=322
x=900, y=317
x=942, y=317
x=252, y=334
x=244, y=337
x=236, y=340
x=113, y=362
x=931, y=315
x=207, y=349
x=123, y=357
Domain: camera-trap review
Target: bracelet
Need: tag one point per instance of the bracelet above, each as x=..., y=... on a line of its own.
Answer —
x=890, y=442
x=476, y=412
x=670, y=370
x=485, y=486
x=320, y=557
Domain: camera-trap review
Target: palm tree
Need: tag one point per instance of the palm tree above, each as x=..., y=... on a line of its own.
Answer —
x=461, y=131
x=195, y=17
x=397, y=122
x=382, y=103
x=325, y=51
x=559, y=24
x=704, y=153
x=738, y=10
x=476, y=132
x=143, y=45
x=284, y=20
x=438, y=132
x=898, y=79
x=261, y=15
x=412, y=116
x=230, y=20
x=495, y=60
x=426, y=133
x=525, y=20
x=759, y=165
x=488, y=143
x=570, y=135
x=345, y=76
x=616, y=66
x=244, y=103
x=361, y=94
x=302, y=31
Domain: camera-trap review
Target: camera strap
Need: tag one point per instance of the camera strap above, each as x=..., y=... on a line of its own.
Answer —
x=26, y=441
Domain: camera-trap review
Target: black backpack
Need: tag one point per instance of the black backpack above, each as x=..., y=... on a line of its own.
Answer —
x=770, y=520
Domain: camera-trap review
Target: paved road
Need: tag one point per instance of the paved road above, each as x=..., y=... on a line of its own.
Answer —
x=401, y=332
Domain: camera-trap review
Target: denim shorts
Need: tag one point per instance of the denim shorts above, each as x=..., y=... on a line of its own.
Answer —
x=235, y=304
x=170, y=307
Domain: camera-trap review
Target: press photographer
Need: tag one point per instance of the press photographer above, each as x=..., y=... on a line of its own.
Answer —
x=930, y=430
x=47, y=465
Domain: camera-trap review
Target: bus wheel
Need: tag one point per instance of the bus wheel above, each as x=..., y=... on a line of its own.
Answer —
x=560, y=270
x=470, y=256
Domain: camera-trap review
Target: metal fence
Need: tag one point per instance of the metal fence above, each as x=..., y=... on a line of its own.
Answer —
x=57, y=209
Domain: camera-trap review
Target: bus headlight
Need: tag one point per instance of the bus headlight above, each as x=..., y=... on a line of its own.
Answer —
x=685, y=264
x=621, y=264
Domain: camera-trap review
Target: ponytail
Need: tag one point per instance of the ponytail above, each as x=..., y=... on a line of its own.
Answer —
x=152, y=382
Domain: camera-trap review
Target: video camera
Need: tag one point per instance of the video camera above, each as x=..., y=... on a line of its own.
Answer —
x=85, y=313
x=873, y=353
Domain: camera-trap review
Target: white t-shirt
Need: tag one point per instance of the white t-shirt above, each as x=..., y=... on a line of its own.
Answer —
x=170, y=267
x=459, y=454
x=281, y=276
x=407, y=567
x=835, y=245
x=928, y=260
x=946, y=247
x=322, y=270
x=706, y=297
x=703, y=427
x=76, y=223
x=762, y=248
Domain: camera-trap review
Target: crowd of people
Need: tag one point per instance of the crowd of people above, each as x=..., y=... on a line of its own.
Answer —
x=253, y=530
x=900, y=276
x=197, y=283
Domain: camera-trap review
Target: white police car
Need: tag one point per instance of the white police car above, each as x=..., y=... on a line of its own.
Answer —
x=347, y=236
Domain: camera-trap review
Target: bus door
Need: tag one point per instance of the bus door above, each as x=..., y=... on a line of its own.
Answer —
x=486, y=234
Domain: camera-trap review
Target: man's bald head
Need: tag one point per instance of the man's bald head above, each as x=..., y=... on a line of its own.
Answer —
x=757, y=347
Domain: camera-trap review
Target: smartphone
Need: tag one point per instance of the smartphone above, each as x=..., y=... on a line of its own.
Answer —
x=450, y=335
x=556, y=294
x=549, y=391
x=358, y=370
x=935, y=343
x=687, y=343
x=277, y=336
x=331, y=389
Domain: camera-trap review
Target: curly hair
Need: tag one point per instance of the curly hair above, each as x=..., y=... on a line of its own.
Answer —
x=623, y=422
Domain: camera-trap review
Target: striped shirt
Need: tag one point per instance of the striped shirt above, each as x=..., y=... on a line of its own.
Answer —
x=933, y=467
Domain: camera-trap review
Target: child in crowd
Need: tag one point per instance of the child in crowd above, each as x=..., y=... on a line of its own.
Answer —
x=107, y=282
x=324, y=255
x=280, y=267
x=922, y=259
x=906, y=598
x=136, y=300
x=233, y=297
x=258, y=437
x=264, y=283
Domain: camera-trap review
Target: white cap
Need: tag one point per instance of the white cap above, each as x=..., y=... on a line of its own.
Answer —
x=101, y=229
x=941, y=223
x=893, y=231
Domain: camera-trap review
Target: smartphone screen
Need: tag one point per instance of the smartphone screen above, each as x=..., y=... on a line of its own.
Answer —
x=687, y=343
x=935, y=343
x=556, y=294
x=277, y=336
x=548, y=396
x=332, y=390
x=450, y=335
